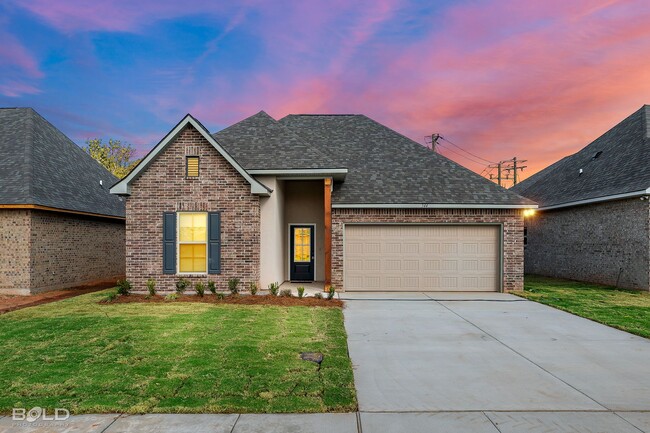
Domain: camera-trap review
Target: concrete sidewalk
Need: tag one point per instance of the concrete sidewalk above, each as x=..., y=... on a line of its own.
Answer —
x=366, y=422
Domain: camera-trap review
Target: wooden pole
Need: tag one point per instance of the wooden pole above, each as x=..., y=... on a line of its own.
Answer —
x=328, y=232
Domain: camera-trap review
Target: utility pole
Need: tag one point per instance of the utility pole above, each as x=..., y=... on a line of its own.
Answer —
x=434, y=141
x=510, y=165
x=499, y=177
x=514, y=166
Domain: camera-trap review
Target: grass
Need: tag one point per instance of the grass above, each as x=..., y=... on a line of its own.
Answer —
x=628, y=310
x=173, y=357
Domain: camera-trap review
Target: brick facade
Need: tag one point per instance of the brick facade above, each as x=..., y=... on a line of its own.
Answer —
x=50, y=250
x=605, y=243
x=511, y=220
x=163, y=187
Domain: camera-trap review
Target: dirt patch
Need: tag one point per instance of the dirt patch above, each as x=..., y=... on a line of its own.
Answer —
x=16, y=302
x=232, y=299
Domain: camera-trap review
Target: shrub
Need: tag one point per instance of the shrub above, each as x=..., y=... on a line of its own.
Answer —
x=233, y=285
x=220, y=296
x=171, y=297
x=212, y=287
x=318, y=295
x=301, y=291
x=110, y=296
x=181, y=285
x=273, y=288
x=200, y=289
x=123, y=287
x=286, y=293
x=331, y=291
x=151, y=286
x=253, y=288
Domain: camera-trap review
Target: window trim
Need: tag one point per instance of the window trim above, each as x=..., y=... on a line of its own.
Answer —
x=187, y=166
x=178, y=244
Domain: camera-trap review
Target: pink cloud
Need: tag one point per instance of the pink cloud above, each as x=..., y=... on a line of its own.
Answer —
x=15, y=89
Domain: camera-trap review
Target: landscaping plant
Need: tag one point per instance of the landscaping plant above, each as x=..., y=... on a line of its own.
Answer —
x=200, y=289
x=233, y=285
x=181, y=285
x=253, y=288
x=123, y=287
x=318, y=295
x=274, y=288
x=286, y=293
x=331, y=291
x=301, y=291
x=212, y=287
x=220, y=296
x=171, y=297
x=151, y=286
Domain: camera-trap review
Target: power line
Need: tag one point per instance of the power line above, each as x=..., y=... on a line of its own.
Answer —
x=440, y=146
x=467, y=151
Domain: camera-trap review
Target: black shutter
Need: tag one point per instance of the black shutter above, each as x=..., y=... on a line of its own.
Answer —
x=214, y=243
x=169, y=242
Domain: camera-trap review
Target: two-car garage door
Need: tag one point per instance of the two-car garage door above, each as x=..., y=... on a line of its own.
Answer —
x=421, y=257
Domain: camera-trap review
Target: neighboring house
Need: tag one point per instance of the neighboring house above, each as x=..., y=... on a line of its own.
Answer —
x=59, y=225
x=339, y=199
x=593, y=223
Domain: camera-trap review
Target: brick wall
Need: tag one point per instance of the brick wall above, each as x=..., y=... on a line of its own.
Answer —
x=71, y=250
x=14, y=250
x=163, y=187
x=599, y=243
x=42, y=251
x=512, y=220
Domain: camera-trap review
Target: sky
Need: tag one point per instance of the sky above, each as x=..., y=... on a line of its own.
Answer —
x=499, y=78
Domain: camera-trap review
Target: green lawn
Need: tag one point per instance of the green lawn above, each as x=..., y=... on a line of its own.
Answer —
x=173, y=357
x=623, y=309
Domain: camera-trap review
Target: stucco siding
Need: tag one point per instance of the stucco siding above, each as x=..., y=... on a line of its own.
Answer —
x=605, y=243
x=272, y=233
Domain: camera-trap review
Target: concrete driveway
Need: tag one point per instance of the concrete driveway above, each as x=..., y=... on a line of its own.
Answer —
x=492, y=362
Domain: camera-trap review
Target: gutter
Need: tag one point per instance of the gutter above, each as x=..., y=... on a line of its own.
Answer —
x=598, y=199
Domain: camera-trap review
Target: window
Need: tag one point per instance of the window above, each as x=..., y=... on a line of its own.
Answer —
x=192, y=166
x=302, y=245
x=192, y=242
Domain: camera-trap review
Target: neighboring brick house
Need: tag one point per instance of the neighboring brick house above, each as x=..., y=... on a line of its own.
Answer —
x=337, y=199
x=59, y=225
x=594, y=219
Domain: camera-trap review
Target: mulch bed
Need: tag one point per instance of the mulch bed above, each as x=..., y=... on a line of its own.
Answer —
x=283, y=301
x=15, y=302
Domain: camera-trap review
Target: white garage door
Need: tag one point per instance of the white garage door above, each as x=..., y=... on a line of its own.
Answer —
x=421, y=257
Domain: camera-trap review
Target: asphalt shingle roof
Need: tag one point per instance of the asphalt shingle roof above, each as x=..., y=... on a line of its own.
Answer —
x=39, y=165
x=260, y=142
x=387, y=167
x=622, y=166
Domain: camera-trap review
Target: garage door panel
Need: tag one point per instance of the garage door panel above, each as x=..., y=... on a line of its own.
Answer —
x=421, y=257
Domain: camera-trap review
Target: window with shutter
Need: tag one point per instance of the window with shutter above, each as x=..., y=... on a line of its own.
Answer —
x=192, y=242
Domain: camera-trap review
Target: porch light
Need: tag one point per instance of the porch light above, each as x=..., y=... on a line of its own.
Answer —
x=529, y=213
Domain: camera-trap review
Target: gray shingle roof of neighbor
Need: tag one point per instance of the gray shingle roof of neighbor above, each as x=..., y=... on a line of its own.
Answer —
x=618, y=162
x=39, y=165
x=386, y=167
x=260, y=142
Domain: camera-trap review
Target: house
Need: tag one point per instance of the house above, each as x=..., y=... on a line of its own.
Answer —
x=59, y=225
x=338, y=199
x=593, y=222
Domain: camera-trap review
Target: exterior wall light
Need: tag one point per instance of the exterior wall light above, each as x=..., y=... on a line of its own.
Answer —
x=529, y=213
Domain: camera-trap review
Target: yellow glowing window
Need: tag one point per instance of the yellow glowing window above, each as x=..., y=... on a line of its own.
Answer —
x=192, y=241
x=301, y=245
x=192, y=166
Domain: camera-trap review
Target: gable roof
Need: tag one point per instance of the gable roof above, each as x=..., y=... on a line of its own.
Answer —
x=40, y=166
x=387, y=169
x=123, y=187
x=615, y=165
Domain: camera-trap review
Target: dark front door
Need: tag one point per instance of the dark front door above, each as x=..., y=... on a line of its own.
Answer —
x=302, y=253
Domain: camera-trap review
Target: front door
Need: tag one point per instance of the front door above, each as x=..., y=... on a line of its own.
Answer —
x=302, y=253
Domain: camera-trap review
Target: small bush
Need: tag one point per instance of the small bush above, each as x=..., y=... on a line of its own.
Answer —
x=253, y=288
x=331, y=291
x=123, y=287
x=233, y=285
x=212, y=287
x=200, y=289
x=274, y=288
x=171, y=297
x=151, y=286
x=220, y=296
x=301, y=291
x=318, y=295
x=286, y=293
x=181, y=285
